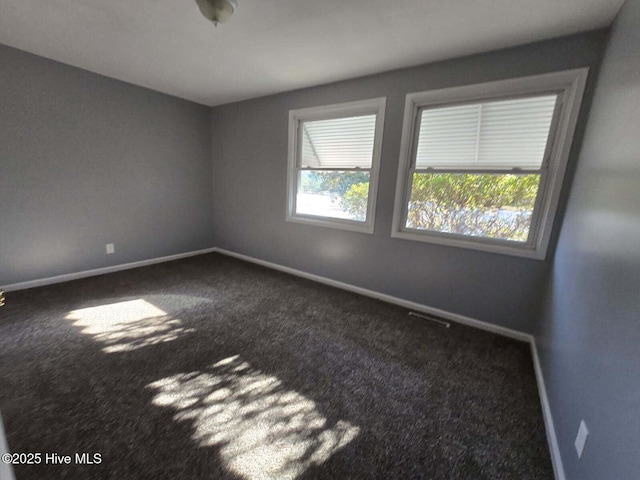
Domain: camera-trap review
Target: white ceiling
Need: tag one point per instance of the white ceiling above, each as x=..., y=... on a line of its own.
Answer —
x=271, y=46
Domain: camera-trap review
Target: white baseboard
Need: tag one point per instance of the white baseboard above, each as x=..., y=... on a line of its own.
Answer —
x=552, y=439
x=100, y=271
x=454, y=317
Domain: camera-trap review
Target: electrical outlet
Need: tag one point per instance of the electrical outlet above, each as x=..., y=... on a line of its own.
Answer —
x=581, y=438
x=110, y=248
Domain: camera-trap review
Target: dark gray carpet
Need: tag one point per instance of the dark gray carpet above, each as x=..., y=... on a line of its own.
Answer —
x=210, y=367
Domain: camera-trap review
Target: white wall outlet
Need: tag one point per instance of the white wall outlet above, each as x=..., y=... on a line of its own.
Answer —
x=581, y=438
x=110, y=248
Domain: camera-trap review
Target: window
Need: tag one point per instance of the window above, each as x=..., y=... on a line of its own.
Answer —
x=334, y=158
x=482, y=166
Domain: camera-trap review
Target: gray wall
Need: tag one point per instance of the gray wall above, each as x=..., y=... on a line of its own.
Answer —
x=86, y=160
x=6, y=471
x=589, y=333
x=250, y=166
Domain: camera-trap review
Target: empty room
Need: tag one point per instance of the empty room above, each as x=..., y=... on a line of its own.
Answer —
x=354, y=239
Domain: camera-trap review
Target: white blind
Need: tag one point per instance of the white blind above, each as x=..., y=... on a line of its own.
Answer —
x=338, y=142
x=490, y=135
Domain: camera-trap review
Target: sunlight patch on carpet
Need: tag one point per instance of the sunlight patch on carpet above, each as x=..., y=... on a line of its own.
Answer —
x=263, y=430
x=126, y=326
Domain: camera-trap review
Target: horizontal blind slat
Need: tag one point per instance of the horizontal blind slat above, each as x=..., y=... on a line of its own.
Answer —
x=338, y=142
x=506, y=133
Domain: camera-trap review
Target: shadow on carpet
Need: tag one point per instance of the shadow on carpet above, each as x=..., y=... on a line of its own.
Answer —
x=214, y=368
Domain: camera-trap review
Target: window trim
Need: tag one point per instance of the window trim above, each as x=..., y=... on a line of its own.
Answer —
x=569, y=84
x=374, y=106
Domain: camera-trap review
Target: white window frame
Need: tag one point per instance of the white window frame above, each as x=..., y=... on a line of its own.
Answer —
x=569, y=85
x=363, y=107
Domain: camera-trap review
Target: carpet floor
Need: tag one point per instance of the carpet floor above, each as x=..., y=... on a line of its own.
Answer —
x=213, y=368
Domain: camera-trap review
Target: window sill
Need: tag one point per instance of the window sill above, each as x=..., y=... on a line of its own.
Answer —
x=485, y=245
x=350, y=225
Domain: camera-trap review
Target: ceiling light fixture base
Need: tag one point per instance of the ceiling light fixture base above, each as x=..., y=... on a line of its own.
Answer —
x=217, y=11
